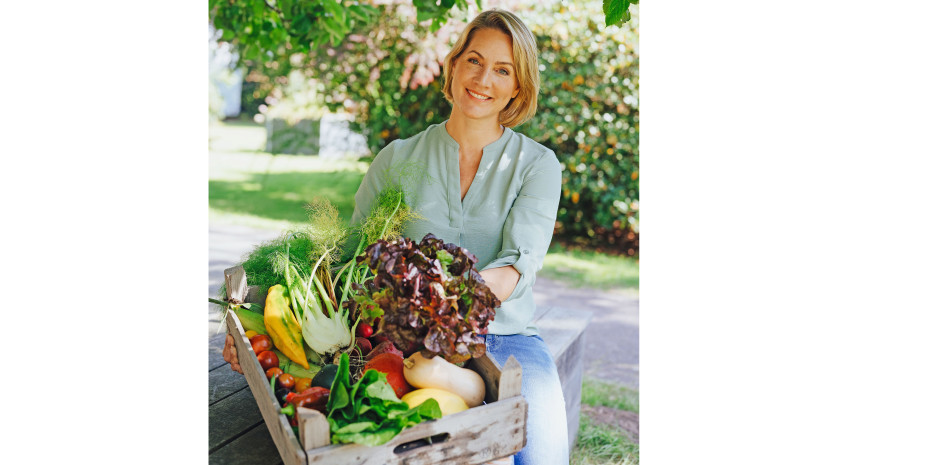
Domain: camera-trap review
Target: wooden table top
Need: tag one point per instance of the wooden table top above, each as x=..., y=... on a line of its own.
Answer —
x=238, y=434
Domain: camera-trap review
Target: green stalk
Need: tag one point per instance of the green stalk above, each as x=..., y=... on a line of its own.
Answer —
x=350, y=276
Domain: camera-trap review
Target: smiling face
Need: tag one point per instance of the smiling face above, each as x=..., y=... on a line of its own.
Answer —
x=483, y=77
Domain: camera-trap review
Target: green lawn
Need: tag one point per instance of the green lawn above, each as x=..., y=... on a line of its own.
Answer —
x=249, y=186
x=599, y=444
x=584, y=268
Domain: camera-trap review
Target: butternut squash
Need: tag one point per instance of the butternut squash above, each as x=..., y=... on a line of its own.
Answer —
x=437, y=373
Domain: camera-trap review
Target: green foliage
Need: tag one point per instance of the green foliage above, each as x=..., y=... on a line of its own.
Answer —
x=589, y=115
x=276, y=27
x=385, y=75
x=258, y=265
x=617, y=11
x=281, y=27
x=437, y=13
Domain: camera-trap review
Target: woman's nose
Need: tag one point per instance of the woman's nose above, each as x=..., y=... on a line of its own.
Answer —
x=484, y=77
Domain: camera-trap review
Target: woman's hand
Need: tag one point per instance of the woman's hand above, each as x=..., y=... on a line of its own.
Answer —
x=502, y=281
x=229, y=354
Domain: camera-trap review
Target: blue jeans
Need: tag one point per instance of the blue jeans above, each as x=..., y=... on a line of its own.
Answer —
x=546, y=424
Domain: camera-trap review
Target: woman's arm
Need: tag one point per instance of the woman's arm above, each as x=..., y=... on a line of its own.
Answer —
x=527, y=232
x=502, y=281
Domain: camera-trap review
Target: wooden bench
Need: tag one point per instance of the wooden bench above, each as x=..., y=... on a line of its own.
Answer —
x=238, y=435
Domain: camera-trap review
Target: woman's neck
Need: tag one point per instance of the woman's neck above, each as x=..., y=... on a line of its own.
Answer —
x=472, y=134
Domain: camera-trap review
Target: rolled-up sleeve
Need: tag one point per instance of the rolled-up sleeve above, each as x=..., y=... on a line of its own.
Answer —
x=528, y=228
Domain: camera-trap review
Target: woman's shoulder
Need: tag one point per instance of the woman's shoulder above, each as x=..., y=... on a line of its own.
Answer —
x=434, y=133
x=536, y=153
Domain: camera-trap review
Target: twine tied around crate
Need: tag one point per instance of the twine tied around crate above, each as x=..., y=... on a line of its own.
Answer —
x=238, y=293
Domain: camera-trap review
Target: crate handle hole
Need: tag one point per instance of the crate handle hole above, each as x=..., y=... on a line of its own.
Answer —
x=408, y=446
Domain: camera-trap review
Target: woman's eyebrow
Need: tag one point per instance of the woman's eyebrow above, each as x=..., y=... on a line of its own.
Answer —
x=498, y=63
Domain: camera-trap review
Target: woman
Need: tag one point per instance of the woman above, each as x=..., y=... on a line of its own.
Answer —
x=478, y=184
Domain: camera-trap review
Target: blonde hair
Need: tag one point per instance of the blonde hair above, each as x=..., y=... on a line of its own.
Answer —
x=526, y=63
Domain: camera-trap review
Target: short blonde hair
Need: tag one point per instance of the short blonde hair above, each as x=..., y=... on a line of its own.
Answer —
x=525, y=57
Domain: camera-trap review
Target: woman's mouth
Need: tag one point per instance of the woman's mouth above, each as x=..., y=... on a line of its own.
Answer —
x=477, y=95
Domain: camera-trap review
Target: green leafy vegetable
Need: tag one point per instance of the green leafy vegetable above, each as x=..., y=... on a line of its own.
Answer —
x=368, y=412
x=430, y=295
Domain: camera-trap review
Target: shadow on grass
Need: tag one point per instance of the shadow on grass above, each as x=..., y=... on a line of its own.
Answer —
x=282, y=196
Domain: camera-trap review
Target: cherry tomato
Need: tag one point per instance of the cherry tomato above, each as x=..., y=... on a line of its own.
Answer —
x=268, y=359
x=286, y=381
x=364, y=330
x=302, y=384
x=273, y=371
x=260, y=343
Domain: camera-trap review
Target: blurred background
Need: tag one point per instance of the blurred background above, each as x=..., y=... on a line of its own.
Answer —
x=303, y=95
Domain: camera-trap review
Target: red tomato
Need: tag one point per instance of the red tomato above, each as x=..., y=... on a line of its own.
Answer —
x=268, y=359
x=273, y=371
x=260, y=343
x=286, y=381
x=364, y=330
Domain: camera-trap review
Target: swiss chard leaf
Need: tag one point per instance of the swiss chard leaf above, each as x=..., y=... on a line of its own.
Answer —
x=368, y=412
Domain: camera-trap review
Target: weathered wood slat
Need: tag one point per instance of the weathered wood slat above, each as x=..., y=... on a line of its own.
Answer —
x=499, y=383
x=253, y=447
x=232, y=416
x=236, y=287
x=216, y=350
x=475, y=436
x=225, y=382
x=559, y=327
x=570, y=374
x=313, y=428
x=281, y=433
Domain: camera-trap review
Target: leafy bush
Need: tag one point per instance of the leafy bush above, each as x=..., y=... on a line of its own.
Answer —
x=589, y=115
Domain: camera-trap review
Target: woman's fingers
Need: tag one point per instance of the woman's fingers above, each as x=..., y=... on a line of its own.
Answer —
x=230, y=355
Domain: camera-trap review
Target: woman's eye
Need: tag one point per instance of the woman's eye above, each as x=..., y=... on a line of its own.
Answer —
x=503, y=71
x=473, y=60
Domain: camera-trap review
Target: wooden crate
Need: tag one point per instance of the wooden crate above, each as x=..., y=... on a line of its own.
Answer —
x=478, y=435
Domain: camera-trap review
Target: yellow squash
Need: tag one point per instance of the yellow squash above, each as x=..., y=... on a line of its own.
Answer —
x=283, y=327
x=449, y=402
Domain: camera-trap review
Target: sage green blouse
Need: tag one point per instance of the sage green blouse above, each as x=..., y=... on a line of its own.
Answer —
x=507, y=215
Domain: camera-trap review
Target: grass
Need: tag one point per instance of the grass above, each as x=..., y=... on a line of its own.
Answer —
x=605, y=444
x=602, y=445
x=251, y=187
x=583, y=268
x=595, y=393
